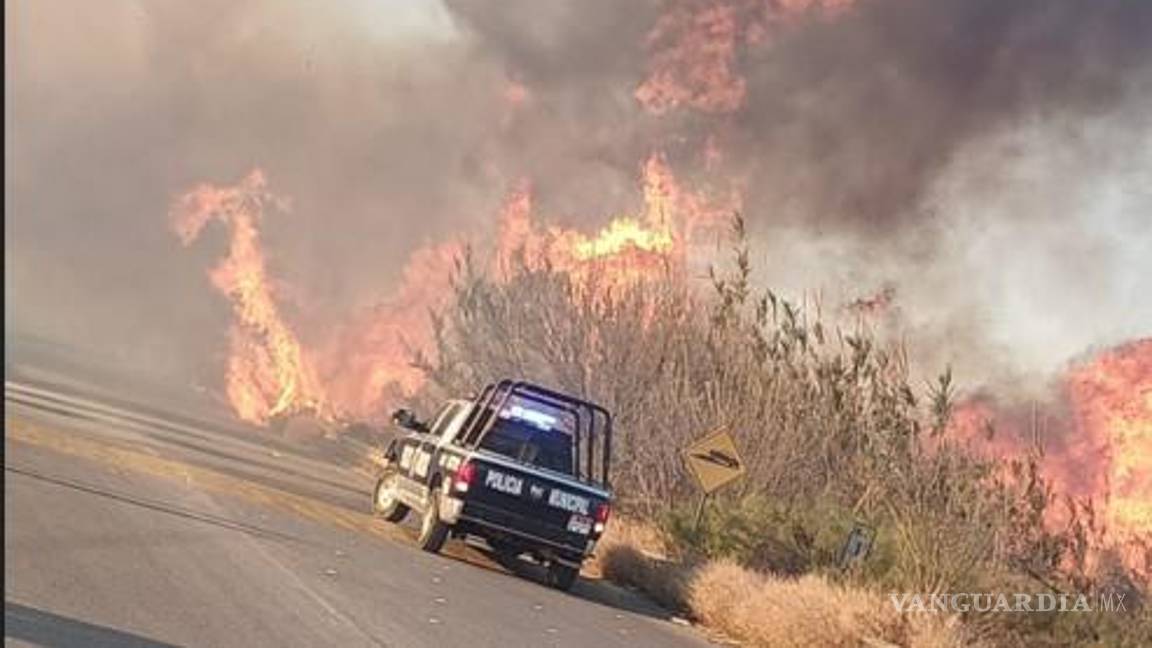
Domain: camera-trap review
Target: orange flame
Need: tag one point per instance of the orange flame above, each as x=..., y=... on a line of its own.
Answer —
x=268, y=372
x=693, y=50
x=367, y=361
x=1112, y=398
x=630, y=247
x=692, y=61
x=1097, y=439
x=620, y=235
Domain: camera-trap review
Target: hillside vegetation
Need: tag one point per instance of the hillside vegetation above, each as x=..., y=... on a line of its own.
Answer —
x=834, y=434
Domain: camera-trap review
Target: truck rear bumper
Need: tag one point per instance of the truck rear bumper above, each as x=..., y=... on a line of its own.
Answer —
x=480, y=523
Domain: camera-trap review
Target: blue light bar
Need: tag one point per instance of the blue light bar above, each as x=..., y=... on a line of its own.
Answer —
x=539, y=419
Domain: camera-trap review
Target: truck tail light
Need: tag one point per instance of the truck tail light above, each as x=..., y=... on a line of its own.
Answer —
x=603, y=510
x=464, y=476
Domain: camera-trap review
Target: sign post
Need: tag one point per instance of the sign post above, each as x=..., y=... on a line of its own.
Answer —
x=857, y=546
x=699, y=511
x=713, y=462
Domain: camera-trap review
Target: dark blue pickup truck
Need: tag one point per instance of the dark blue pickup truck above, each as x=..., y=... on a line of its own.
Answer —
x=523, y=467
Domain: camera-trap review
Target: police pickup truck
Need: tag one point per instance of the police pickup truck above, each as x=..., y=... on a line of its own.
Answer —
x=523, y=467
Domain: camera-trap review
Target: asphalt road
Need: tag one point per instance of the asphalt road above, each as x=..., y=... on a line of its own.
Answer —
x=123, y=531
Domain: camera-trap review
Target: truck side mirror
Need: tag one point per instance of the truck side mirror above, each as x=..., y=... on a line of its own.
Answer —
x=406, y=419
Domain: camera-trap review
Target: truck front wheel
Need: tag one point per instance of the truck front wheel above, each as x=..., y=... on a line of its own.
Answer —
x=384, y=500
x=433, y=532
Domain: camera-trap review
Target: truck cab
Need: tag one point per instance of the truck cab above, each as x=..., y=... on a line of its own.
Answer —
x=521, y=466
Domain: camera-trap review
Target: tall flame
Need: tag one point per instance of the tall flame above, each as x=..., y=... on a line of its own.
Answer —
x=1112, y=398
x=631, y=247
x=268, y=371
x=368, y=359
x=1097, y=438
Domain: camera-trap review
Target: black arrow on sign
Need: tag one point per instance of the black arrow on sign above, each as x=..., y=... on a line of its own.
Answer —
x=719, y=458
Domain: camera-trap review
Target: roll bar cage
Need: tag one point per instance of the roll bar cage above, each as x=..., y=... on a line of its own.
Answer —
x=593, y=423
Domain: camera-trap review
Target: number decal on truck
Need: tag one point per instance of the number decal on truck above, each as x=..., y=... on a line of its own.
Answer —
x=581, y=524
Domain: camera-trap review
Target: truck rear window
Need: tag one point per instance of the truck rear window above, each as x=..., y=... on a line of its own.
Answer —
x=545, y=448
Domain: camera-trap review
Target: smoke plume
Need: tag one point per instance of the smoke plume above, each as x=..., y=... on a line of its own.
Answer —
x=987, y=163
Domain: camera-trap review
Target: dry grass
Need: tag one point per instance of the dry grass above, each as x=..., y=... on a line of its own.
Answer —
x=645, y=537
x=810, y=611
x=635, y=553
x=761, y=610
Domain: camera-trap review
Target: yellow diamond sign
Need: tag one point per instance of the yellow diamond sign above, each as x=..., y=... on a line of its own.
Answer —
x=713, y=460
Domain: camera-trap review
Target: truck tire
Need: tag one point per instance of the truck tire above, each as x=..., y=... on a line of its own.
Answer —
x=384, y=500
x=561, y=576
x=433, y=532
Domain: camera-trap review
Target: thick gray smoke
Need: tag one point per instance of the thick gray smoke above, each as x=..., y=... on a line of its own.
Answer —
x=113, y=108
x=989, y=160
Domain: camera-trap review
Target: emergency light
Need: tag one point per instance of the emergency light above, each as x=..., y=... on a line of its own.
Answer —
x=539, y=419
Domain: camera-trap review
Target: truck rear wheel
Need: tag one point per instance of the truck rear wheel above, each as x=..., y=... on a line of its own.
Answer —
x=433, y=532
x=384, y=500
x=561, y=576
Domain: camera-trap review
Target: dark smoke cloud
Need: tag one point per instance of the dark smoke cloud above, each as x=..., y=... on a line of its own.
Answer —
x=988, y=159
x=583, y=137
x=983, y=156
x=855, y=117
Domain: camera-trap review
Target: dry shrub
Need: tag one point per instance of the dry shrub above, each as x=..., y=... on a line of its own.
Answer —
x=643, y=536
x=762, y=610
x=819, y=412
x=663, y=581
x=635, y=553
x=809, y=611
x=623, y=564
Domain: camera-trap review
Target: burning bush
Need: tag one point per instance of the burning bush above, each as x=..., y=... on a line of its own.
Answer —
x=819, y=410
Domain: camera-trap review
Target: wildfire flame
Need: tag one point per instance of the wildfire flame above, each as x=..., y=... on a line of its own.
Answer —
x=693, y=50
x=692, y=53
x=1101, y=430
x=622, y=234
x=368, y=360
x=1097, y=437
x=1112, y=398
x=670, y=219
x=268, y=371
x=692, y=60
x=369, y=363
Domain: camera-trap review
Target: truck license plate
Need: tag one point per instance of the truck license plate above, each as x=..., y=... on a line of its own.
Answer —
x=581, y=524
